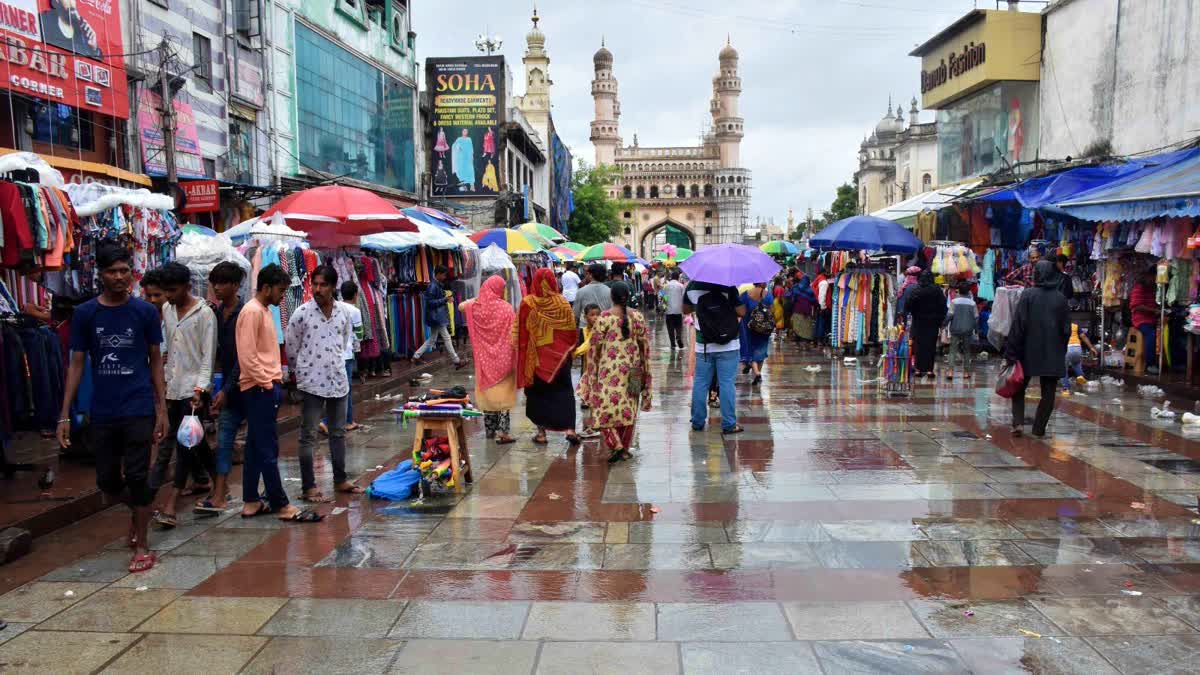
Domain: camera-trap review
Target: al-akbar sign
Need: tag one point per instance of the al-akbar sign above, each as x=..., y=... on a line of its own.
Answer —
x=983, y=47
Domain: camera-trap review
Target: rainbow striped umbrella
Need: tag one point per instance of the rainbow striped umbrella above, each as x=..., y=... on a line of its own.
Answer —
x=511, y=241
x=608, y=251
x=681, y=254
x=779, y=248
x=543, y=231
x=564, y=252
x=578, y=248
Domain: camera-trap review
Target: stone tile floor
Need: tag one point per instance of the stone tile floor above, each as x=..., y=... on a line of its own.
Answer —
x=843, y=532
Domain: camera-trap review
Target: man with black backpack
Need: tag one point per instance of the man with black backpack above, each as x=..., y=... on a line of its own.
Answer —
x=717, y=311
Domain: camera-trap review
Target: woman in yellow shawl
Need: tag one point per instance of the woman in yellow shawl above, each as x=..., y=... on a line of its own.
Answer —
x=546, y=337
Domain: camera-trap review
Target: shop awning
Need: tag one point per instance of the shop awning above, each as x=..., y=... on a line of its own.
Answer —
x=906, y=211
x=1169, y=186
x=1047, y=191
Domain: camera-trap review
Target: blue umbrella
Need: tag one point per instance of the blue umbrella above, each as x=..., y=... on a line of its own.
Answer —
x=866, y=233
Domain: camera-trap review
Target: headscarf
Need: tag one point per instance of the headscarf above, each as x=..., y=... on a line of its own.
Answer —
x=910, y=279
x=926, y=279
x=1046, y=274
x=803, y=289
x=545, y=330
x=490, y=321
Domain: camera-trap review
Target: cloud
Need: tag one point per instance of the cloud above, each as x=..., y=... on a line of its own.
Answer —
x=816, y=74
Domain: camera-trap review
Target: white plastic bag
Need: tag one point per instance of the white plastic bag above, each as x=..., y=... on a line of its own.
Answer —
x=190, y=432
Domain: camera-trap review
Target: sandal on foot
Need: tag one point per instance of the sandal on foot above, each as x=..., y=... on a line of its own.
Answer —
x=616, y=456
x=315, y=498
x=507, y=440
x=540, y=440
x=263, y=508
x=142, y=563
x=352, y=490
x=166, y=521
x=574, y=440
x=205, y=509
x=735, y=429
x=304, y=516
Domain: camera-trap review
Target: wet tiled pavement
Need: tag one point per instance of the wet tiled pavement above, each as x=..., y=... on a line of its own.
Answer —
x=843, y=532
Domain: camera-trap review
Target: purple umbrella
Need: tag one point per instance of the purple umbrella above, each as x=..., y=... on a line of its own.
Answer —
x=730, y=265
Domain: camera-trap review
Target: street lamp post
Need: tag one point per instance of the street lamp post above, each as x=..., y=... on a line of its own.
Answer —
x=488, y=44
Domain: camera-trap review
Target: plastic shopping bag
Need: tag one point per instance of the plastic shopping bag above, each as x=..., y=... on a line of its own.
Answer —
x=190, y=432
x=1012, y=376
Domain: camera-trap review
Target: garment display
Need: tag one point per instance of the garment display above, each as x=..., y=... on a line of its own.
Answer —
x=864, y=302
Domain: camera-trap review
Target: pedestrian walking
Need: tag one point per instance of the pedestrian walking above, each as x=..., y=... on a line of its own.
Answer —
x=927, y=306
x=190, y=333
x=907, y=288
x=570, y=283
x=349, y=303
x=1144, y=314
x=1038, y=340
x=962, y=318
x=804, y=310
x=718, y=312
x=1074, y=365
x=616, y=383
x=822, y=284
x=122, y=337
x=596, y=292
x=490, y=326
x=673, y=296
x=755, y=330
x=437, y=318
x=546, y=336
x=316, y=339
x=591, y=314
x=261, y=384
x=225, y=279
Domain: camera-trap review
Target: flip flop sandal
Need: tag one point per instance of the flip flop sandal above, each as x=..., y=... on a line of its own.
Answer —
x=735, y=430
x=315, y=498
x=205, y=509
x=263, y=508
x=616, y=456
x=506, y=441
x=142, y=563
x=544, y=441
x=165, y=521
x=352, y=490
x=574, y=440
x=305, y=516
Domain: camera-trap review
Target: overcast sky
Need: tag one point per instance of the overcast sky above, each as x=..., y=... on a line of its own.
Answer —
x=816, y=74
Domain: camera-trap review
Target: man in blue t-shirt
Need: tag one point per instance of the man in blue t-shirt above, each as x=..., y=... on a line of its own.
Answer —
x=121, y=335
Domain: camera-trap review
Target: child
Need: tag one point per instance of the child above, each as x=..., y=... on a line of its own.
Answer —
x=1075, y=345
x=590, y=313
x=962, y=317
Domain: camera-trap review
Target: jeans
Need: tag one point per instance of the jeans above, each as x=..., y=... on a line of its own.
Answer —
x=262, y=446
x=960, y=351
x=1150, y=339
x=230, y=420
x=724, y=365
x=350, y=368
x=335, y=412
x=434, y=332
x=675, y=329
x=1074, y=364
x=1045, y=407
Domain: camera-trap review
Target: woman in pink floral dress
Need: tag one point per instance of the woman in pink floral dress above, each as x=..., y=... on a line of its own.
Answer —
x=616, y=383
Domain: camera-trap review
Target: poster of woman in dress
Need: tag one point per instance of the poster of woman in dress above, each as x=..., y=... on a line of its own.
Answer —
x=442, y=147
x=462, y=161
x=489, y=145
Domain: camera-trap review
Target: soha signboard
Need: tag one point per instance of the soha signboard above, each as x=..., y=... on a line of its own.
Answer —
x=468, y=102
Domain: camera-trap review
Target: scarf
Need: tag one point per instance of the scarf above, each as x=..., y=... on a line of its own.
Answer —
x=910, y=279
x=546, y=331
x=490, y=320
x=803, y=289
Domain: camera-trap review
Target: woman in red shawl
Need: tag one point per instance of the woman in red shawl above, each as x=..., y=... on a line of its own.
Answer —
x=490, y=323
x=546, y=336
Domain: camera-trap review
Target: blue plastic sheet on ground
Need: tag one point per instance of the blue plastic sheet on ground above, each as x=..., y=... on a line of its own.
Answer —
x=397, y=484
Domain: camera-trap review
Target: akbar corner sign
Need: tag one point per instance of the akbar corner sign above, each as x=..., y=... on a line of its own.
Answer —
x=954, y=65
x=202, y=196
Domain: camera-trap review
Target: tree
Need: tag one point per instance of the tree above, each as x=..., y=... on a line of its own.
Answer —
x=597, y=217
x=845, y=204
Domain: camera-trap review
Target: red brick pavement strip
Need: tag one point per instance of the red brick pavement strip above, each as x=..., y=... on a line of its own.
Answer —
x=1155, y=436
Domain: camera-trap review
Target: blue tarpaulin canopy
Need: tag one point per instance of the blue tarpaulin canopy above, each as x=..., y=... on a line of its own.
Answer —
x=1048, y=191
x=1168, y=186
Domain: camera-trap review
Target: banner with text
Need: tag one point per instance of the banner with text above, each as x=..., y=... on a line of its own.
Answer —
x=188, y=162
x=468, y=100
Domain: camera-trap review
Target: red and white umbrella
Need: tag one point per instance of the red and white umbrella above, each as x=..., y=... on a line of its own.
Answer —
x=338, y=215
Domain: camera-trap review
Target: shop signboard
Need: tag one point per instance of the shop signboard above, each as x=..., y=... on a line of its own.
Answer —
x=248, y=85
x=203, y=196
x=65, y=51
x=980, y=49
x=188, y=162
x=468, y=101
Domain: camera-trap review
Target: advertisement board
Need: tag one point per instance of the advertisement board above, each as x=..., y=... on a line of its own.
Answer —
x=65, y=51
x=468, y=99
x=561, y=203
x=188, y=162
x=202, y=196
x=981, y=48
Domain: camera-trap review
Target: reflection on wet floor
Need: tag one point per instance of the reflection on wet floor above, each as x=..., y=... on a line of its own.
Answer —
x=843, y=532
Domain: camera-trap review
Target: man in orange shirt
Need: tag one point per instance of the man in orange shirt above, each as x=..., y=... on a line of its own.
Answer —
x=261, y=385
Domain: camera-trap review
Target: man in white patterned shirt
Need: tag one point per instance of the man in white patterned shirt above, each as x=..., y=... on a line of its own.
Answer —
x=316, y=339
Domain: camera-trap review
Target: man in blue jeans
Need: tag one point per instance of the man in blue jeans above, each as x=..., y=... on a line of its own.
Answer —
x=717, y=310
x=225, y=280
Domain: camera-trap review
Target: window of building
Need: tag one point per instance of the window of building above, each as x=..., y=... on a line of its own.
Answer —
x=354, y=120
x=708, y=214
x=210, y=168
x=641, y=192
x=708, y=190
x=628, y=230
x=628, y=192
x=353, y=10
x=628, y=215
x=202, y=61
x=707, y=229
x=653, y=192
x=60, y=124
x=926, y=183
x=239, y=161
x=680, y=191
x=695, y=191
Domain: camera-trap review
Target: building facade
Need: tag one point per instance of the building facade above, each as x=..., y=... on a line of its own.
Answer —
x=699, y=193
x=1120, y=77
x=897, y=160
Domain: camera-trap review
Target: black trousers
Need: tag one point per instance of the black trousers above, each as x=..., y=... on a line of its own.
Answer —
x=675, y=329
x=1045, y=406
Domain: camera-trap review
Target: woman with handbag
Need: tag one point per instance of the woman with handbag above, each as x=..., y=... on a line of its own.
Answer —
x=1038, y=342
x=756, y=328
x=616, y=383
x=927, y=306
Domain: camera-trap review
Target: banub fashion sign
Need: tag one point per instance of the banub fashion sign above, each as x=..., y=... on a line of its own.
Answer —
x=65, y=51
x=954, y=65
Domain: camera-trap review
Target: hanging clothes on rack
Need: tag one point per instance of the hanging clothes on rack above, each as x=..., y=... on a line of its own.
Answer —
x=864, y=300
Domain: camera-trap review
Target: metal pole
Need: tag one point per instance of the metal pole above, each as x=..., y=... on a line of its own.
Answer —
x=167, y=115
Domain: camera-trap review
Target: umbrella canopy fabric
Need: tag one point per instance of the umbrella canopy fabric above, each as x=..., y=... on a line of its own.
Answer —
x=866, y=233
x=200, y=230
x=511, y=241
x=426, y=235
x=439, y=218
x=681, y=254
x=544, y=231
x=338, y=215
x=779, y=248
x=564, y=252
x=608, y=251
x=575, y=247
x=730, y=265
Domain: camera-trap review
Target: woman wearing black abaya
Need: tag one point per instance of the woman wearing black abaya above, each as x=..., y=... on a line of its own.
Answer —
x=927, y=307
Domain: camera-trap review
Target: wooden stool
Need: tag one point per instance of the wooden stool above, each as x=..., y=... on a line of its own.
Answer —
x=451, y=428
x=1135, y=352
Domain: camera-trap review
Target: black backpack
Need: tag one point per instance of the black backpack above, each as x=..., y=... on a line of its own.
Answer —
x=718, y=318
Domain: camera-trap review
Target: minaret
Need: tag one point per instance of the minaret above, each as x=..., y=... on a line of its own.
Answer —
x=606, y=134
x=536, y=101
x=727, y=123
